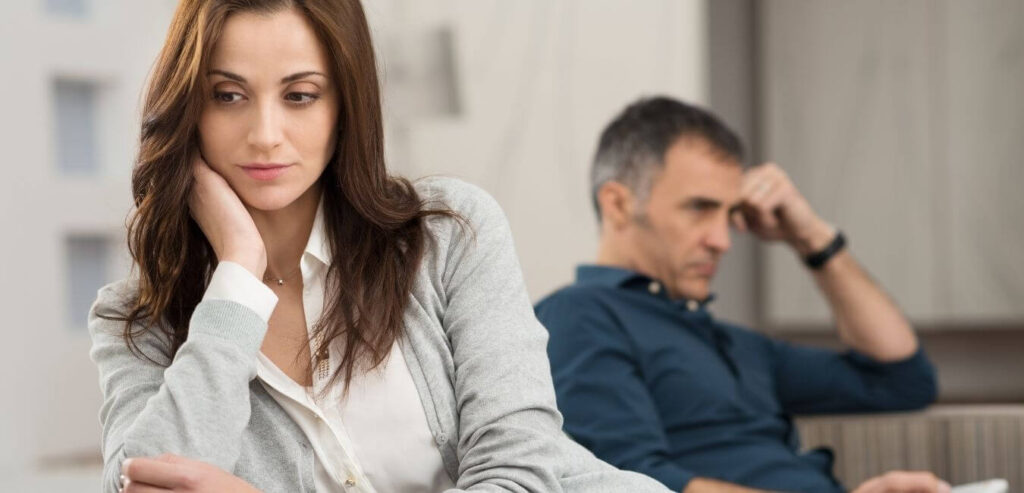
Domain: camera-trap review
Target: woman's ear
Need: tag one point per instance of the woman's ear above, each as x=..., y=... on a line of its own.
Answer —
x=616, y=203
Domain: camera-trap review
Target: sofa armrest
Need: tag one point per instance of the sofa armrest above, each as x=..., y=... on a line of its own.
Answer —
x=960, y=443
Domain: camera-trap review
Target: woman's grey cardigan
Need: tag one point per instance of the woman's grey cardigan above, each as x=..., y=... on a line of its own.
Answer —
x=474, y=348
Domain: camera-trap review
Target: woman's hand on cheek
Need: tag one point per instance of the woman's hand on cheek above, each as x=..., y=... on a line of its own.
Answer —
x=172, y=473
x=225, y=221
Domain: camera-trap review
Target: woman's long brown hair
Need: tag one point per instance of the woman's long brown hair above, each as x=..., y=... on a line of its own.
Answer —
x=374, y=222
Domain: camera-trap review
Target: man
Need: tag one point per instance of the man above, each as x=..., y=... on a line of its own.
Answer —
x=650, y=381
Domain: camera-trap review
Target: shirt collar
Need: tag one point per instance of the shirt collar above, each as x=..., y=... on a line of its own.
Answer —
x=604, y=275
x=318, y=246
x=617, y=277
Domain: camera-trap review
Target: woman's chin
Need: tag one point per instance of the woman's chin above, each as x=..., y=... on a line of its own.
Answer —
x=268, y=199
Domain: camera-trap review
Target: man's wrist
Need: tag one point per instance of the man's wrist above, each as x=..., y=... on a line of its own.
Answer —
x=814, y=239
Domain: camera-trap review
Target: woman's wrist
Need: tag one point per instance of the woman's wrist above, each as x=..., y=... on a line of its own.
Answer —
x=256, y=263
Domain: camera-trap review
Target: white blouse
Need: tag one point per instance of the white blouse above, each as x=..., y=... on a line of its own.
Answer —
x=375, y=439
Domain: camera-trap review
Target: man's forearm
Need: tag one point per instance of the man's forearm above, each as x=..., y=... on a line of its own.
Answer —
x=867, y=319
x=704, y=485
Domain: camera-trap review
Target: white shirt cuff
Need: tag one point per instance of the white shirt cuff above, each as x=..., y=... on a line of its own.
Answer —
x=232, y=282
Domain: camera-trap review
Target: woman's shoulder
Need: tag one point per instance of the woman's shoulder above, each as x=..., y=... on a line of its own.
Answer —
x=467, y=200
x=473, y=220
x=114, y=300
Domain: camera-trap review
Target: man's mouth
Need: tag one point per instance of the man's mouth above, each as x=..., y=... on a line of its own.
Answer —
x=705, y=270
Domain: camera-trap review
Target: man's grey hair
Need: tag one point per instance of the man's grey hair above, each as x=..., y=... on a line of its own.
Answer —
x=632, y=147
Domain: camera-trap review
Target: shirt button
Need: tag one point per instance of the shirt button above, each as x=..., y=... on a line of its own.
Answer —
x=654, y=287
x=692, y=305
x=441, y=438
x=350, y=482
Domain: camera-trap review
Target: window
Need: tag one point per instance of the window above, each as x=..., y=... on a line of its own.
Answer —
x=75, y=105
x=88, y=267
x=68, y=8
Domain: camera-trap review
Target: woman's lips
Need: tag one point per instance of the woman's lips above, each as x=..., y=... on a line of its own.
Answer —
x=265, y=172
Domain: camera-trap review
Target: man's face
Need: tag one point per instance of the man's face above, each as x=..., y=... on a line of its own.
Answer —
x=683, y=228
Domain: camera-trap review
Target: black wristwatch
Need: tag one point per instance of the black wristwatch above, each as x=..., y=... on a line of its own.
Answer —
x=818, y=259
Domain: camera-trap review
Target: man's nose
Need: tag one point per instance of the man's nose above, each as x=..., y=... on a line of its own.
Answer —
x=719, y=239
x=266, y=132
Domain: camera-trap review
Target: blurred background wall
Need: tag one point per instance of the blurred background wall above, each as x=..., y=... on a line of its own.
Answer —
x=900, y=121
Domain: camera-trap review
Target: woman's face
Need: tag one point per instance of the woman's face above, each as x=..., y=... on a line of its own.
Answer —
x=268, y=121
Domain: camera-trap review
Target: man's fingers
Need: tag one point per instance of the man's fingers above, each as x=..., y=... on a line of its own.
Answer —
x=767, y=220
x=750, y=217
x=913, y=482
x=763, y=172
x=739, y=221
x=764, y=212
x=904, y=482
x=873, y=485
x=751, y=185
x=763, y=199
x=773, y=200
x=155, y=472
x=761, y=190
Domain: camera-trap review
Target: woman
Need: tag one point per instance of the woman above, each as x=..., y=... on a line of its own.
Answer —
x=297, y=319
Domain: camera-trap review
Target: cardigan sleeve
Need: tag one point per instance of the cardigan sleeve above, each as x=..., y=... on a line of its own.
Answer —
x=508, y=423
x=509, y=427
x=196, y=404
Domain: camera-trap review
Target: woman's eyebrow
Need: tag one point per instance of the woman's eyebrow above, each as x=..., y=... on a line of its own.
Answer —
x=225, y=73
x=284, y=80
x=301, y=75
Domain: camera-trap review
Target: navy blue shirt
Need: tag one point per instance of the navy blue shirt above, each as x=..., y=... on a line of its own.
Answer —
x=658, y=386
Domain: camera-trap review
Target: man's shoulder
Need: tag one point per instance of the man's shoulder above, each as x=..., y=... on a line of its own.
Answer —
x=580, y=306
x=575, y=295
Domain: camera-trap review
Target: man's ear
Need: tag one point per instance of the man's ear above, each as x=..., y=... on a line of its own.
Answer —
x=617, y=203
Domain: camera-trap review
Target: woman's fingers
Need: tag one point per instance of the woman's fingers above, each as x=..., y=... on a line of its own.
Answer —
x=156, y=473
x=224, y=220
x=200, y=192
x=134, y=487
x=172, y=473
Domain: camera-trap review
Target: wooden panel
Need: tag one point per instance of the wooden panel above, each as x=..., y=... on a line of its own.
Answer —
x=985, y=145
x=960, y=444
x=900, y=121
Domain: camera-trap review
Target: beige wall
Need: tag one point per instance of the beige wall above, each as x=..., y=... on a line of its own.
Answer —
x=901, y=122
x=51, y=397
x=539, y=80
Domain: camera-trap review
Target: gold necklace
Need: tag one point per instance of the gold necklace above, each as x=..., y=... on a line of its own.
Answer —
x=323, y=359
x=280, y=280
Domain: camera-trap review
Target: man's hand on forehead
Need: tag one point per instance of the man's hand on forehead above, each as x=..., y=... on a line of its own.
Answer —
x=772, y=208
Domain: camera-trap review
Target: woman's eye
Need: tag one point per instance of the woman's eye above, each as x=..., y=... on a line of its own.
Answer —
x=226, y=97
x=301, y=98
